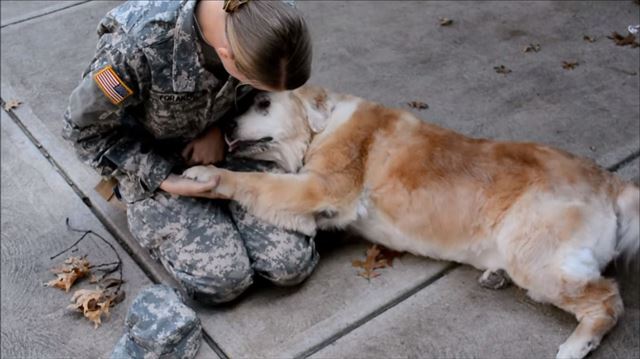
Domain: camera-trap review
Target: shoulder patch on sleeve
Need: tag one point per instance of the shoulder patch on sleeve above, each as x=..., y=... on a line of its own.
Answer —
x=111, y=85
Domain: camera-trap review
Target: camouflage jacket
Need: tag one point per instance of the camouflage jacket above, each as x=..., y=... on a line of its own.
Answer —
x=146, y=85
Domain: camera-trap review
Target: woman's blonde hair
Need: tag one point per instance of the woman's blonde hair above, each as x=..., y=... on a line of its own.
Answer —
x=270, y=42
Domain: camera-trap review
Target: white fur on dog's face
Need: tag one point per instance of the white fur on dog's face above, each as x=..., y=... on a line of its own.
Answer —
x=274, y=129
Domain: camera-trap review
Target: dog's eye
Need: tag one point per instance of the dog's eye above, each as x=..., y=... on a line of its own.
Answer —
x=263, y=103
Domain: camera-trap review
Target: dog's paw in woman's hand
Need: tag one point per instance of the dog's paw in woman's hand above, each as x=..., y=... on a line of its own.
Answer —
x=200, y=173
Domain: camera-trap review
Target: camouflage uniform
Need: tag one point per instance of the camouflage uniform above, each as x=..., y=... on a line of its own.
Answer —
x=171, y=88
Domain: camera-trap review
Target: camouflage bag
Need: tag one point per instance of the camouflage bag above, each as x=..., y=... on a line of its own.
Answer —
x=159, y=326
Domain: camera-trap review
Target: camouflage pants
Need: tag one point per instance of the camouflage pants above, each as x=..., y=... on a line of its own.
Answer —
x=214, y=247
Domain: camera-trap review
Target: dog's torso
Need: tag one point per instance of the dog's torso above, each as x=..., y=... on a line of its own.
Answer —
x=416, y=187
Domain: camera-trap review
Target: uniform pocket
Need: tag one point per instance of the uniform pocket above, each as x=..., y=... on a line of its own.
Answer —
x=183, y=115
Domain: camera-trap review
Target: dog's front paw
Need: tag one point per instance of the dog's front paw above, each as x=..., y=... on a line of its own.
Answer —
x=200, y=173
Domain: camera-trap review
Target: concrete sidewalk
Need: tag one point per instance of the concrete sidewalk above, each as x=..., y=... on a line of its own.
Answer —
x=389, y=51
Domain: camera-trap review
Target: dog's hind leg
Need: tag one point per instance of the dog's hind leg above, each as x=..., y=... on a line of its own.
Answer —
x=597, y=306
x=494, y=279
x=595, y=301
x=556, y=253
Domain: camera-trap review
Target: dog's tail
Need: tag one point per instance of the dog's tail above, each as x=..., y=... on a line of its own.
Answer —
x=627, y=207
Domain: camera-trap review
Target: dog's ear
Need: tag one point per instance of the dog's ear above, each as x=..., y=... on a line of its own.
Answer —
x=317, y=105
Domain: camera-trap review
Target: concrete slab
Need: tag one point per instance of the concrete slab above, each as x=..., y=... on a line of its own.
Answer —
x=631, y=171
x=44, y=99
x=270, y=322
x=455, y=317
x=35, y=203
x=12, y=11
x=396, y=51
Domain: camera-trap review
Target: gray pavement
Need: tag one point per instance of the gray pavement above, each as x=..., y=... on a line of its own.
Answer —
x=389, y=51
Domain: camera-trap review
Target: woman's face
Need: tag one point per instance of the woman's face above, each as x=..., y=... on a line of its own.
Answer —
x=210, y=22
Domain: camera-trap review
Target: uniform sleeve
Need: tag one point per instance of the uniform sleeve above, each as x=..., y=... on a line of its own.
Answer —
x=93, y=120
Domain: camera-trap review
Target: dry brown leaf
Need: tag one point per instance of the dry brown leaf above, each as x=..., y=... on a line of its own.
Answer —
x=629, y=40
x=389, y=255
x=419, y=105
x=11, y=104
x=502, y=69
x=73, y=269
x=88, y=302
x=94, y=303
x=445, y=21
x=377, y=257
x=371, y=263
x=532, y=48
x=589, y=38
x=569, y=65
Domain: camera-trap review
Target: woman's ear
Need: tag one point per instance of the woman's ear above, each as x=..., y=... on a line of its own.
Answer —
x=224, y=53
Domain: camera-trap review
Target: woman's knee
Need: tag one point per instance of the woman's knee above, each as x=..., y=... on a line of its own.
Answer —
x=291, y=267
x=216, y=288
x=197, y=242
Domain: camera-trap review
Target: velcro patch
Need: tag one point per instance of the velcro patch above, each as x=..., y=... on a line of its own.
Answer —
x=111, y=85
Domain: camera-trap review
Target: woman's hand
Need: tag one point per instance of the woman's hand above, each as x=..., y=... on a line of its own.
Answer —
x=182, y=186
x=206, y=149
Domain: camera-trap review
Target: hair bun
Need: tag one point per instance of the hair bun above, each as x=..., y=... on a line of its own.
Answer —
x=232, y=5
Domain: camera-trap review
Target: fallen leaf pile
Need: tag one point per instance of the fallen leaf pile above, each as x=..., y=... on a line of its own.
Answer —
x=569, y=65
x=11, y=104
x=73, y=269
x=377, y=258
x=629, y=40
x=419, y=105
x=94, y=303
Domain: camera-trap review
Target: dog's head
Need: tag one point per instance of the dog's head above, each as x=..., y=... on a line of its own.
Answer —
x=279, y=126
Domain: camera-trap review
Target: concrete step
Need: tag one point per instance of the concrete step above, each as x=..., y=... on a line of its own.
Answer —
x=35, y=203
x=456, y=318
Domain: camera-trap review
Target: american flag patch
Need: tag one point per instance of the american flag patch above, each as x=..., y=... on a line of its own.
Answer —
x=111, y=85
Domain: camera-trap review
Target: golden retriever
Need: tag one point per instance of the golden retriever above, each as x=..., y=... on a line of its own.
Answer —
x=551, y=220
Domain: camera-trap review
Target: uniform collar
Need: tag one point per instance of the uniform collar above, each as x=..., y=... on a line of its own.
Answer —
x=186, y=64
